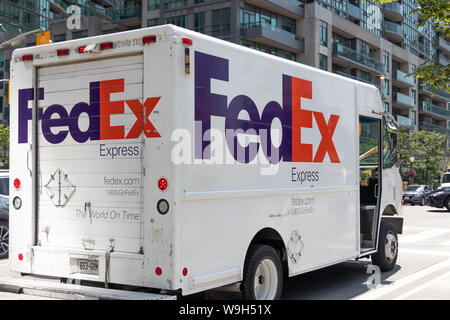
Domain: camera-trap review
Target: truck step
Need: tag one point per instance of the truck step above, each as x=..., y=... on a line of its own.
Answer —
x=45, y=288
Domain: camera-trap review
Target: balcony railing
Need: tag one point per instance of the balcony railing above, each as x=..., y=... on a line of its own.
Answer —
x=429, y=107
x=405, y=122
x=342, y=51
x=393, y=27
x=403, y=77
x=440, y=92
x=117, y=14
x=382, y=91
x=394, y=7
x=403, y=99
x=245, y=26
x=433, y=127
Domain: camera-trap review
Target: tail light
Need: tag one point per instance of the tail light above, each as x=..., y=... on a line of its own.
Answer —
x=81, y=49
x=162, y=184
x=17, y=184
x=162, y=206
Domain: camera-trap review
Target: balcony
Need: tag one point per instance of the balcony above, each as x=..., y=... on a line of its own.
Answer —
x=434, y=110
x=393, y=11
x=289, y=8
x=433, y=127
x=58, y=6
x=272, y=36
x=405, y=122
x=347, y=57
x=442, y=59
x=401, y=79
x=443, y=44
x=126, y=16
x=402, y=100
x=437, y=94
x=393, y=32
x=382, y=91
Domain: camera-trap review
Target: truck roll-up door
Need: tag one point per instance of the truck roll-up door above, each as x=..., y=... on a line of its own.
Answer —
x=90, y=177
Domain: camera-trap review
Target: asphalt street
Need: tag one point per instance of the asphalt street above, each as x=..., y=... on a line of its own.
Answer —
x=422, y=271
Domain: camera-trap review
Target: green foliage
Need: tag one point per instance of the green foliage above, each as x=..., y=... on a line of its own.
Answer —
x=4, y=147
x=429, y=155
x=438, y=13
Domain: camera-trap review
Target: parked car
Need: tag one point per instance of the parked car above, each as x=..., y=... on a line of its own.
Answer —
x=445, y=181
x=440, y=198
x=4, y=214
x=416, y=194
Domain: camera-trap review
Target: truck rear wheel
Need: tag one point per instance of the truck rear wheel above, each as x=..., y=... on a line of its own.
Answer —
x=263, y=274
x=386, y=256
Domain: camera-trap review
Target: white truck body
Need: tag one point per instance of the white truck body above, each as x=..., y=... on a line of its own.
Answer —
x=93, y=132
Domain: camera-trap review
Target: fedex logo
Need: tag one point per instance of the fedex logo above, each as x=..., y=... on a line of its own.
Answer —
x=57, y=122
x=291, y=114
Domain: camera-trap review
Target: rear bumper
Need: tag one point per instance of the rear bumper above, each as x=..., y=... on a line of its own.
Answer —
x=124, y=268
x=437, y=202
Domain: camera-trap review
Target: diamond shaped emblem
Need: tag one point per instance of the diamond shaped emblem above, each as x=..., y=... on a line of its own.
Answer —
x=59, y=188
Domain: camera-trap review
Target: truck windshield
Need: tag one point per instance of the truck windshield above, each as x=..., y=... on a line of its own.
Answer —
x=446, y=178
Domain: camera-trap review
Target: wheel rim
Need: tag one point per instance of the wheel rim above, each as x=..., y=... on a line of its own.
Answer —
x=266, y=280
x=4, y=240
x=391, y=247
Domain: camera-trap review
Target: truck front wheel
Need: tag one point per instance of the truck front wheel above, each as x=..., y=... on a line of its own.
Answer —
x=263, y=274
x=386, y=256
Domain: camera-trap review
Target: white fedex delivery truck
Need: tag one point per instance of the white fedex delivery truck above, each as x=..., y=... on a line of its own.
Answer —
x=163, y=158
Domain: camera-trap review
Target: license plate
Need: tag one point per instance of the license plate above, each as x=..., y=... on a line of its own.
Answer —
x=88, y=266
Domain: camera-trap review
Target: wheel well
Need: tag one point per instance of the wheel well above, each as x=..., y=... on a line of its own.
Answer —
x=272, y=238
x=389, y=210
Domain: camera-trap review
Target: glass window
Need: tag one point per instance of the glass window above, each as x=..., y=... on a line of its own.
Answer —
x=413, y=116
x=153, y=4
x=368, y=141
x=386, y=106
x=4, y=186
x=389, y=148
x=199, y=22
x=323, y=62
x=386, y=60
x=413, y=95
x=180, y=21
x=221, y=22
x=323, y=33
x=386, y=86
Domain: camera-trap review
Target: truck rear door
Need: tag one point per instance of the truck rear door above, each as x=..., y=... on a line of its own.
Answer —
x=89, y=155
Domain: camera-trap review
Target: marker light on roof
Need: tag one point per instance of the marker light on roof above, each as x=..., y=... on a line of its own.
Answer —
x=106, y=45
x=28, y=57
x=149, y=39
x=187, y=41
x=62, y=52
x=81, y=49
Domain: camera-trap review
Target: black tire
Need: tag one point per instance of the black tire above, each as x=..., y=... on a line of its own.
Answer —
x=4, y=239
x=386, y=242
x=256, y=255
x=447, y=203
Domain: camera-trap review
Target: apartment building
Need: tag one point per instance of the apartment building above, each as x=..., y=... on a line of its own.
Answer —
x=378, y=44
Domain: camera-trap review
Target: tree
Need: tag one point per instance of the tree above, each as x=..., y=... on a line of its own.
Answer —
x=4, y=147
x=428, y=153
x=438, y=13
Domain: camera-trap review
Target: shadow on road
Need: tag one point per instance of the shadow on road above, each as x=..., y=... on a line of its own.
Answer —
x=339, y=282
x=438, y=211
